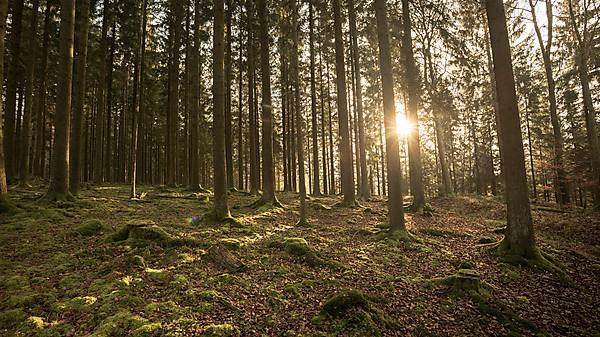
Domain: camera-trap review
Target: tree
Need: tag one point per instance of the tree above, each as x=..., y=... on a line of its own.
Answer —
x=102, y=99
x=342, y=104
x=220, y=207
x=519, y=239
x=560, y=185
x=59, y=177
x=365, y=190
x=412, y=88
x=28, y=111
x=176, y=17
x=137, y=93
x=297, y=107
x=5, y=203
x=268, y=167
x=195, y=109
x=313, y=102
x=79, y=86
x=394, y=173
x=252, y=139
x=582, y=55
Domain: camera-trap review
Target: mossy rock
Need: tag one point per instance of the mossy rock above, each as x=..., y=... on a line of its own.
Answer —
x=143, y=233
x=11, y=318
x=148, y=330
x=92, y=227
x=353, y=310
x=159, y=275
x=219, y=330
x=299, y=248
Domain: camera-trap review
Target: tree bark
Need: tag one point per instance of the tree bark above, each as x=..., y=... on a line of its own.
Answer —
x=79, y=86
x=254, y=170
x=195, y=108
x=412, y=87
x=220, y=208
x=59, y=179
x=99, y=134
x=342, y=103
x=228, y=93
x=138, y=90
x=519, y=237
x=395, y=201
x=4, y=197
x=313, y=104
x=28, y=110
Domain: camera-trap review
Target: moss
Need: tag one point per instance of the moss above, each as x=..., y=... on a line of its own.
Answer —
x=208, y=295
x=20, y=300
x=338, y=305
x=231, y=243
x=219, y=330
x=299, y=248
x=159, y=275
x=179, y=280
x=147, y=330
x=92, y=227
x=70, y=282
x=186, y=258
x=35, y=322
x=7, y=206
x=144, y=233
x=120, y=324
x=137, y=261
x=15, y=282
x=439, y=232
x=11, y=318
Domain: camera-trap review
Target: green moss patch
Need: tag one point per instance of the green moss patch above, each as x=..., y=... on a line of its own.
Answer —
x=144, y=233
x=92, y=227
x=219, y=330
x=299, y=249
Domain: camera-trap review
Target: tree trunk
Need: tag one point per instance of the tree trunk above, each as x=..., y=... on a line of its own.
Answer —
x=12, y=82
x=299, y=120
x=5, y=204
x=138, y=90
x=268, y=168
x=228, y=93
x=590, y=112
x=99, y=135
x=395, y=201
x=173, y=112
x=59, y=179
x=519, y=237
x=240, y=138
x=79, y=86
x=316, y=189
x=561, y=184
x=254, y=171
x=28, y=110
x=221, y=209
x=342, y=103
x=195, y=108
x=412, y=87
x=365, y=190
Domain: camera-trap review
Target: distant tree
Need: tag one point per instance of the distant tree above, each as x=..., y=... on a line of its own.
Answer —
x=195, y=108
x=394, y=172
x=175, y=35
x=99, y=136
x=25, y=142
x=342, y=105
x=59, y=177
x=313, y=102
x=5, y=203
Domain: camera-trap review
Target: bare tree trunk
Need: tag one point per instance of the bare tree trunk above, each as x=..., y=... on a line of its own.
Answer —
x=99, y=135
x=323, y=119
x=590, y=113
x=173, y=113
x=561, y=184
x=395, y=201
x=138, y=91
x=59, y=179
x=228, y=117
x=519, y=238
x=240, y=138
x=299, y=119
x=5, y=203
x=342, y=103
x=316, y=189
x=412, y=88
x=79, y=86
x=12, y=82
x=28, y=110
x=254, y=171
x=221, y=208
x=195, y=108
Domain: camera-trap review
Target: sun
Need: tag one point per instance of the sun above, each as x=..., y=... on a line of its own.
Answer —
x=403, y=125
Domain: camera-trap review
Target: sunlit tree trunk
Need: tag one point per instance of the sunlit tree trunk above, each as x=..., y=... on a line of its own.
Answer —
x=395, y=201
x=316, y=189
x=412, y=88
x=254, y=171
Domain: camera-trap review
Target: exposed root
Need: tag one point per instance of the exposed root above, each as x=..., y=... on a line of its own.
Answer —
x=52, y=196
x=348, y=204
x=146, y=232
x=211, y=218
x=263, y=201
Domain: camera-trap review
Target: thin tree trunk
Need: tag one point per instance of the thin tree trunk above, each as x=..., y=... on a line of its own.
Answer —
x=138, y=90
x=12, y=82
x=254, y=171
x=228, y=93
x=5, y=203
x=28, y=110
x=195, y=108
x=316, y=189
x=342, y=100
x=99, y=135
x=40, y=109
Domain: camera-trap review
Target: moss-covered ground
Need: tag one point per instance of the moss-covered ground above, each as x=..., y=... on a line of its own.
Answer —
x=106, y=265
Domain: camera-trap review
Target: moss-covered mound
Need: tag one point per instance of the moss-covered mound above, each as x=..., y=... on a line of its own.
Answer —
x=299, y=249
x=144, y=233
x=92, y=227
x=354, y=312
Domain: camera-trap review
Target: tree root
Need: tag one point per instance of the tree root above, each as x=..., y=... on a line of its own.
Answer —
x=348, y=204
x=211, y=218
x=262, y=202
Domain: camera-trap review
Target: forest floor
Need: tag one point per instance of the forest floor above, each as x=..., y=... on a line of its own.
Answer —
x=62, y=273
